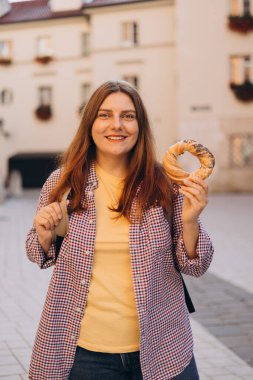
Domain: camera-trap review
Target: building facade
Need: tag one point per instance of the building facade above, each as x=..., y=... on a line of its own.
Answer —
x=190, y=61
x=215, y=85
x=56, y=53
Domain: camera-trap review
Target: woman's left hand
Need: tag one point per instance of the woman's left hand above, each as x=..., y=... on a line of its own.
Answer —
x=195, y=192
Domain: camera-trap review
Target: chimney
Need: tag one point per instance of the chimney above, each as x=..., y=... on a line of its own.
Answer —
x=5, y=7
x=65, y=5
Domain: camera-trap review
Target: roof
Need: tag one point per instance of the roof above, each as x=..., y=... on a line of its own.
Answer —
x=104, y=3
x=36, y=10
x=33, y=11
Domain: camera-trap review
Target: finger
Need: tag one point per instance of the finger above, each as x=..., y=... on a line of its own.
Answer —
x=46, y=214
x=199, y=181
x=189, y=196
x=57, y=209
x=54, y=213
x=197, y=191
x=199, y=196
x=43, y=222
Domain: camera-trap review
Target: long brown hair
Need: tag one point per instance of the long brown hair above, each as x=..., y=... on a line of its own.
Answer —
x=143, y=167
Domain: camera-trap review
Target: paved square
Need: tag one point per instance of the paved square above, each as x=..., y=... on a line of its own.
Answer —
x=222, y=329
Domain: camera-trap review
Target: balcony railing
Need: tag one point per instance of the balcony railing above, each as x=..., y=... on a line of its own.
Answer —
x=44, y=59
x=242, y=24
x=44, y=112
x=244, y=91
x=5, y=61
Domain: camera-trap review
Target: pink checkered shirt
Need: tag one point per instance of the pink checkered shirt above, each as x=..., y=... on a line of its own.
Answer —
x=166, y=344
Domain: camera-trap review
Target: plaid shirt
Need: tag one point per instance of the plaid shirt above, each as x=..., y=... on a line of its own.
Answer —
x=165, y=334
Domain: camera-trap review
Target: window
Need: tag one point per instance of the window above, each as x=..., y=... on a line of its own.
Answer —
x=241, y=151
x=132, y=79
x=129, y=34
x=86, y=90
x=6, y=96
x=240, y=7
x=5, y=50
x=246, y=7
x=241, y=68
x=44, y=110
x=85, y=44
x=85, y=95
x=45, y=96
x=44, y=46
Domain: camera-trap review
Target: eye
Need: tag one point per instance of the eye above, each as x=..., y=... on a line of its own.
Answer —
x=103, y=115
x=128, y=116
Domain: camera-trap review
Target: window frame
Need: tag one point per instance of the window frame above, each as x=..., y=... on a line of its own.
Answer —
x=42, y=101
x=135, y=82
x=247, y=68
x=6, y=96
x=240, y=8
x=42, y=52
x=245, y=137
x=85, y=94
x=7, y=43
x=85, y=44
x=131, y=28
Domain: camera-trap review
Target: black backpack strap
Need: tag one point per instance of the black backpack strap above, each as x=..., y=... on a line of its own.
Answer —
x=58, y=243
x=187, y=297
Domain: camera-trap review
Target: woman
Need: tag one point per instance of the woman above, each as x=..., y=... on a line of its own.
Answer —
x=115, y=307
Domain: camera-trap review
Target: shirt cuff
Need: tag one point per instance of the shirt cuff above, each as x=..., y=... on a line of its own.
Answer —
x=36, y=253
x=204, y=251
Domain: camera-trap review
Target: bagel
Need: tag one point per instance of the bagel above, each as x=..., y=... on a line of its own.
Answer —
x=174, y=170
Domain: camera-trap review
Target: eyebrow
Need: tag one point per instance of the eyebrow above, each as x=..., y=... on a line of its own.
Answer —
x=107, y=110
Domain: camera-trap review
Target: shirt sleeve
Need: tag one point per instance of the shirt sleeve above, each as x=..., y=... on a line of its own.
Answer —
x=34, y=251
x=194, y=267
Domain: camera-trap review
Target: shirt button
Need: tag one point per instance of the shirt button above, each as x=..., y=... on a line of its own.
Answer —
x=94, y=184
x=88, y=253
x=72, y=337
x=78, y=309
x=91, y=221
x=90, y=193
x=83, y=282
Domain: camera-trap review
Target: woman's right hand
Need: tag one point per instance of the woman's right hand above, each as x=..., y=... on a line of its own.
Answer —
x=46, y=219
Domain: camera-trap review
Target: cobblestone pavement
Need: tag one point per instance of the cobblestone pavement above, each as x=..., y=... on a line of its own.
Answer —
x=222, y=325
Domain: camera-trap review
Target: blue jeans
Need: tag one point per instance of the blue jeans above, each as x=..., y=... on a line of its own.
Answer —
x=90, y=365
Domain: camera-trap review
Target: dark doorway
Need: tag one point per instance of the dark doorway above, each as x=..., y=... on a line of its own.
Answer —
x=33, y=167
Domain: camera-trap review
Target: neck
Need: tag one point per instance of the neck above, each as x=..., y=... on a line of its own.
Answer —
x=115, y=167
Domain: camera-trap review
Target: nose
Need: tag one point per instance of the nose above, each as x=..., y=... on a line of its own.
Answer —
x=117, y=121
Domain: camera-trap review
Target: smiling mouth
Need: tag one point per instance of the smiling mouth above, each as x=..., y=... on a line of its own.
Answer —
x=116, y=138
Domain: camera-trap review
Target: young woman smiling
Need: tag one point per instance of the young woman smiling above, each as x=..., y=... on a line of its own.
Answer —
x=115, y=308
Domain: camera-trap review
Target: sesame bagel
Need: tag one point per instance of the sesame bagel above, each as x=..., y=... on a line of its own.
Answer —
x=174, y=170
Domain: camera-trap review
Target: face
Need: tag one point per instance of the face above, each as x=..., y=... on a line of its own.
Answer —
x=115, y=129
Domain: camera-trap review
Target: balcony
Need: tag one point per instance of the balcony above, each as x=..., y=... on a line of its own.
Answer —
x=44, y=112
x=242, y=24
x=5, y=61
x=244, y=91
x=44, y=59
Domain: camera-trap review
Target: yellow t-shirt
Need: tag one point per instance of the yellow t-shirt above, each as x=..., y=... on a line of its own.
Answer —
x=110, y=322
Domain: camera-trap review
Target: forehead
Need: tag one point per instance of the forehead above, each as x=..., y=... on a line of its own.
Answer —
x=118, y=100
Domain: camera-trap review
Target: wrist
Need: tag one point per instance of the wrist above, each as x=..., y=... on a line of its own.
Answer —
x=45, y=245
x=191, y=223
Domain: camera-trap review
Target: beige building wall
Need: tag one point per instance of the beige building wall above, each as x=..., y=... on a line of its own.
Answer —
x=64, y=74
x=208, y=109
x=182, y=62
x=153, y=60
